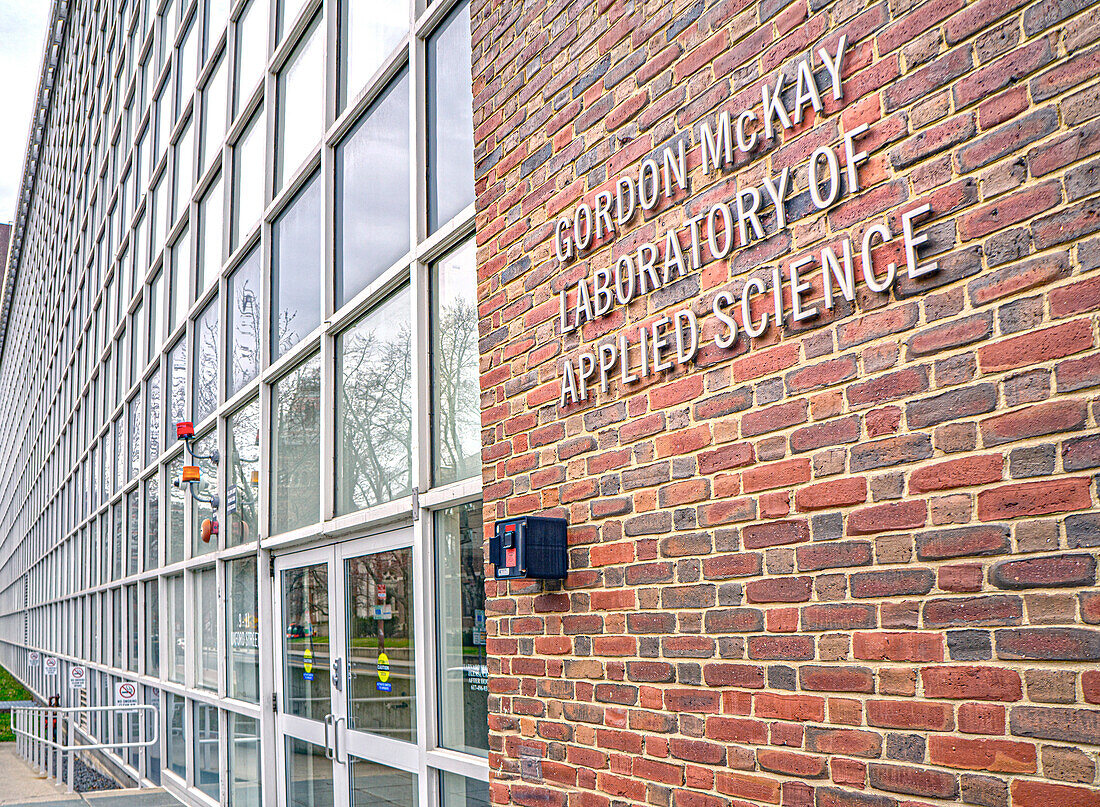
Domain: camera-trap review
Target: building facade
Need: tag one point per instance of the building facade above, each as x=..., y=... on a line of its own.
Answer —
x=791, y=309
x=255, y=217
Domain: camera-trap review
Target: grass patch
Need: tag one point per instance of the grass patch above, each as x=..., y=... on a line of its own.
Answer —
x=10, y=689
x=6, y=734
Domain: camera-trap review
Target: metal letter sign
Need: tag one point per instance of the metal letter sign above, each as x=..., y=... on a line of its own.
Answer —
x=33, y=658
x=78, y=677
x=126, y=694
x=49, y=665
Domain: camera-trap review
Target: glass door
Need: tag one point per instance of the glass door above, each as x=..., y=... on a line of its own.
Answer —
x=310, y=681
x=347, y=706
x=377, y=584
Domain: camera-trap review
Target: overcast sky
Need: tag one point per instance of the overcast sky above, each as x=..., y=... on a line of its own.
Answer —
x=22, y=28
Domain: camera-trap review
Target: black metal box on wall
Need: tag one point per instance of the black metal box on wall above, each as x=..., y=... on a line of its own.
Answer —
x=530, y=547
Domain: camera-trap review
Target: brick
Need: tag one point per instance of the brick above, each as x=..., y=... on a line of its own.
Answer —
x=992, y=610
x=951, y=405
x=959, y=473
x=899, y=646
x=910, y=715
x=1056, y=723
x=977, y=683
x=951, y=334
x=1056, y=571
x=834, y=493
x=1001, y=756
x=1034, y=498
x=1030, y=793
x=1034, y=421
x=775, y=533
x=888, y=517
x=912, y=781
x=1018, y=277
x=1036, y=347
x=1008, y=210
x=1049, y=644
x=890, y=452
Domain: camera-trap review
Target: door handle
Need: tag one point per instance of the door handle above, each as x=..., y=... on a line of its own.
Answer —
x=330, y=753
x=336, y=740
x=337, y=680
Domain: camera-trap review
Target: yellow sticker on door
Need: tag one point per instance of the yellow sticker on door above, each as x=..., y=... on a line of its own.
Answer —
x=383, y=684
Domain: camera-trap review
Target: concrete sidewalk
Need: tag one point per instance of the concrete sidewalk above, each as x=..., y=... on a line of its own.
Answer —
x=20, y=786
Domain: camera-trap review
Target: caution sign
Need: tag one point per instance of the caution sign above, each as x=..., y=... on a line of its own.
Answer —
x=78, y=677
x=33, y=658
x=307, y=665
x=49, y=665
x=384, y=684
x=126, y=694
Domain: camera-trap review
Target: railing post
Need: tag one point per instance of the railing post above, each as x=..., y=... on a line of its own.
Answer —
x=38, y=757
x=70, y=741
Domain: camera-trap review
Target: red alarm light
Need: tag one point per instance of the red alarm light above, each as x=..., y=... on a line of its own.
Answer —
x=185, y=430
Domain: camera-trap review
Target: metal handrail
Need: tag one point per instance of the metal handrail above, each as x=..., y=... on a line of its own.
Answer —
x=38, y=738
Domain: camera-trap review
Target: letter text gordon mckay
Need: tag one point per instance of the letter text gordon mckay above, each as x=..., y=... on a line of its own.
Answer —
x=770, y=296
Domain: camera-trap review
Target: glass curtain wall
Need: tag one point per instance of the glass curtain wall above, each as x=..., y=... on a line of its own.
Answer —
x=269, y=232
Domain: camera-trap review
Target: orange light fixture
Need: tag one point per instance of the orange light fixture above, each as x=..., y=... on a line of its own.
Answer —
x=190, y=473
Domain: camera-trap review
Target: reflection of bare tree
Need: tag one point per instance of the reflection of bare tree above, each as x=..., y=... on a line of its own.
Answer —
x=297, y=461
x=206, y=364
x=244, y=461
x=376, y=407
x=458, y=419
x=244, y=317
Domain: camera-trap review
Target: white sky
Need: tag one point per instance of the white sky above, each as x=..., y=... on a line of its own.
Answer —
x=22, y=28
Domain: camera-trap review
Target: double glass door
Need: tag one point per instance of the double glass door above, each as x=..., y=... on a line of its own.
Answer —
x=347, y=699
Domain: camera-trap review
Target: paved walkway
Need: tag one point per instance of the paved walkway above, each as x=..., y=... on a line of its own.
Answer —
x=20, y=786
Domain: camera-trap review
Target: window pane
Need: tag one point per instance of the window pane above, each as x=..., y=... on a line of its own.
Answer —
x=152, y=629
x=206, y=749
x=214, y=114
x=206, y=362
x=372, y=29
x=188, y=62
x=243, y=631
x=306, y=641
x=301, y=104
x=177, y=390
x=177, y=748
x=118, y=534
x=308, y=775
x=152, y=399
x=456, y=394
x=450, y=119
x=177, y=501
x=248, y=187
x=374, y=407
x=296, y=449
x=181, y=280
x=152, y=523
x=211, y=221
x=152, y=753
x=460, y=621
x=206, y=629
x=251, y=48
x=137, y=435
x=372, y=192
x=243, y=497
x=373, y=784
x=298, y=274
x=380, y=647
x=175, y=622
x=244, y=323
x=133, y=538
x=206, y=487
x=156, y=310
x=185, y=175
x=244, y=761
x=459, y=791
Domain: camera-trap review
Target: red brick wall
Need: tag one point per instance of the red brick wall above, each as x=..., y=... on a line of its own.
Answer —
x=851, y=561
